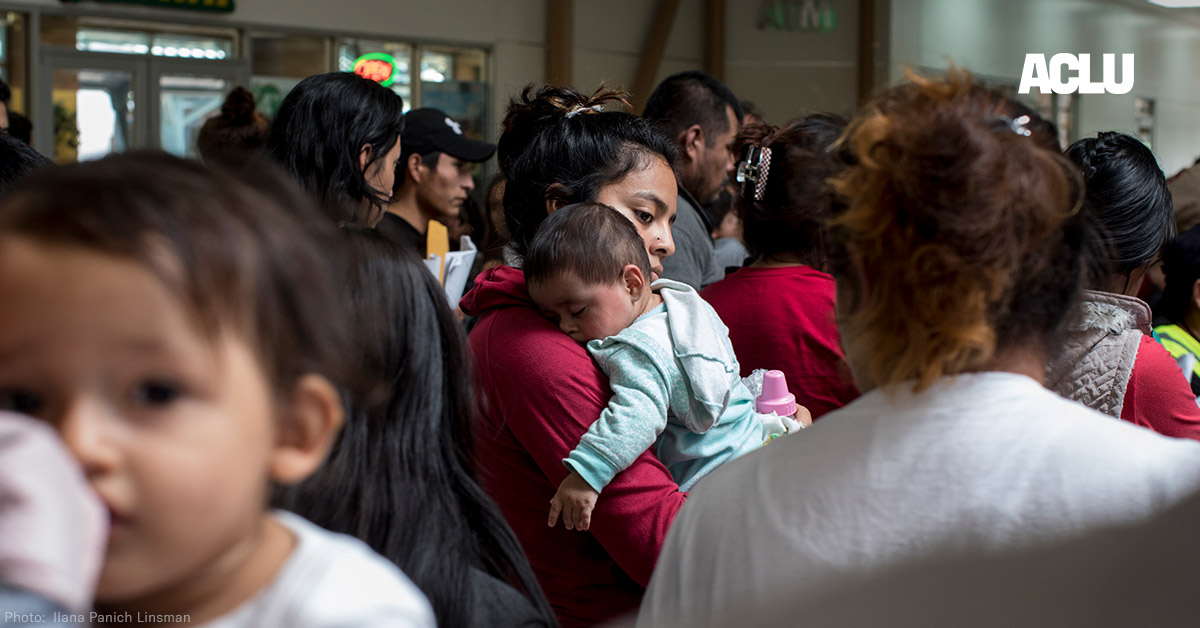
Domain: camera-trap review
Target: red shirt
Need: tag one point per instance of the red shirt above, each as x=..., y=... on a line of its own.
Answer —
x=782, y=318
x=1158, y=395
x=540, y=392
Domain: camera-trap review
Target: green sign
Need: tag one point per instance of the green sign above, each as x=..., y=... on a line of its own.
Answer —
x=797, y=15
x=216, y=6
x=377, y=66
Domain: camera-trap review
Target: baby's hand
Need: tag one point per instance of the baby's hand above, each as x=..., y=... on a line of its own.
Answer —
x=575, y=500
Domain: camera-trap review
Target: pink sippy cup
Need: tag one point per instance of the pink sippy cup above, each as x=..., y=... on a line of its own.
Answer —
x=775, y=396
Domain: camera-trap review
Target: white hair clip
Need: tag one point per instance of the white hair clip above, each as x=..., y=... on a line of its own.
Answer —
x=754, y=169
x=1016, y=125
x=577, y=109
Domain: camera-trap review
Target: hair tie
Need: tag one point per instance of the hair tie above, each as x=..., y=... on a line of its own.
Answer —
x=577, y=109
x=754, y=170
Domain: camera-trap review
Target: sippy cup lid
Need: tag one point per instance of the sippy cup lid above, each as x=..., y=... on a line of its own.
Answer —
x=775, y=396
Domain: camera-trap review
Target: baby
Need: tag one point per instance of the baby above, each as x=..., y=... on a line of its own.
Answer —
x=667, y=355
x=181, y=332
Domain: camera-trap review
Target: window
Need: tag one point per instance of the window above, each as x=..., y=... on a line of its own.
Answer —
x=280, y=60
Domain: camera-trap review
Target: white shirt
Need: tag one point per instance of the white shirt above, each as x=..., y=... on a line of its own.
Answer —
x=982, y=462
x=332, y=580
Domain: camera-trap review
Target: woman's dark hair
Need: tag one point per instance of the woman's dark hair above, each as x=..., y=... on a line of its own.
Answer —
x=319, y=130
x=1127, y=201
x=559, y=144
x=797, y=200
x=242, y=253
x=1181, y=267
x=401, y=475
x=235, y=134
x=961, y=235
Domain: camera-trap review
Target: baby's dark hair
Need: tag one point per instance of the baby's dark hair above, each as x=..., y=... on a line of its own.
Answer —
x=591, y=241
x=240, y=257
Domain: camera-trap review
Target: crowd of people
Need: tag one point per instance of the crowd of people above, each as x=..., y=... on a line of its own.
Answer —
x=239, y=382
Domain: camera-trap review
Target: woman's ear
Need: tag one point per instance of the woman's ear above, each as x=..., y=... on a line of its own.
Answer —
x=635, y=281
x=555, y=198
x=364, y=157
x=311, y=422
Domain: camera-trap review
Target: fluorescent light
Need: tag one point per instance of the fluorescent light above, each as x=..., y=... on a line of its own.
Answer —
x=1177, y=4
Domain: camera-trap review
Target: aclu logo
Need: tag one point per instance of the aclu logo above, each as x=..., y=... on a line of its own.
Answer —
x=1050, y=77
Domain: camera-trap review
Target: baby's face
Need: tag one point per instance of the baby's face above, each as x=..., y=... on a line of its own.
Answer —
x=585, y=311
x=174, y=430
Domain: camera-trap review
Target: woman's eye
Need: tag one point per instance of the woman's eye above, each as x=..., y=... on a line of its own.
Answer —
x=645, y=217
x=156, y=392
x=21, y=401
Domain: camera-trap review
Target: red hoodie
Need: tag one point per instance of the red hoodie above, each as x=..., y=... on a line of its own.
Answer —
x=540, y=391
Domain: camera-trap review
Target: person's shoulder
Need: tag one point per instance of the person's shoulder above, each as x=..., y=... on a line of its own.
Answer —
x=1154, y=360
x=337, y=580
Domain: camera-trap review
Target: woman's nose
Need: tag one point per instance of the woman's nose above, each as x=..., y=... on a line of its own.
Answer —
x=665, y=245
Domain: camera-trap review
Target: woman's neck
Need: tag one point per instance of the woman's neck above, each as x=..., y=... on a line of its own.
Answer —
x=1026, y=361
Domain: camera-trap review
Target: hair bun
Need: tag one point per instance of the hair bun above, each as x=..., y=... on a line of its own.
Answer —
x=239, y=105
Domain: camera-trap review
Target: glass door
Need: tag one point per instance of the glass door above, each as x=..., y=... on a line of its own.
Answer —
x=93, y=101
x=107, y=103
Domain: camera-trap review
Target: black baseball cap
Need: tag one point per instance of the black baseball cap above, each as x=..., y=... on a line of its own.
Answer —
x=429, y=130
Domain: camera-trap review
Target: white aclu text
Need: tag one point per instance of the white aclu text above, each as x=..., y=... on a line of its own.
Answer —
x=1050, y=77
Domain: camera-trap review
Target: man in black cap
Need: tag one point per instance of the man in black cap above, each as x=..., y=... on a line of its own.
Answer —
x=433, y=176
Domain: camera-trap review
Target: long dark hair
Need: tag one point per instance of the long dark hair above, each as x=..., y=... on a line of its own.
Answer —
x=563, y=145
x=401, y=475
x=1128, y=202
x=320, y=128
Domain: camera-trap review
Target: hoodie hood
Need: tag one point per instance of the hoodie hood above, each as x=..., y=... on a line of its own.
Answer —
x=500, y=287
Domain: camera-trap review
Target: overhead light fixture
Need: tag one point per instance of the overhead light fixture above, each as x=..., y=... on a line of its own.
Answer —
x=1177, y=4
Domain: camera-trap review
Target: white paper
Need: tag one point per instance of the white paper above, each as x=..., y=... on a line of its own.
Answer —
x=458, y=269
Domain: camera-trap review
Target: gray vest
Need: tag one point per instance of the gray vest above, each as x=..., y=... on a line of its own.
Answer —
x=1100, y=344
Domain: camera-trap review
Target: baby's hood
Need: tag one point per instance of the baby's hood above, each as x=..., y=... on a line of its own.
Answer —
x=701, y=345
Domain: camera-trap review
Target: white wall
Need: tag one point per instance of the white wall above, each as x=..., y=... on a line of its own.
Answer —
x=785, y=73
x=991, y=37
x=788, y=73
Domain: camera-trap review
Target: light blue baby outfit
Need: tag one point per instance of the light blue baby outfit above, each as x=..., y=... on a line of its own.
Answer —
x=675, y=380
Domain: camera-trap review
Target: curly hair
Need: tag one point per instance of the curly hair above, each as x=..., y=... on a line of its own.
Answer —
x=961, y=236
